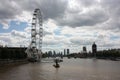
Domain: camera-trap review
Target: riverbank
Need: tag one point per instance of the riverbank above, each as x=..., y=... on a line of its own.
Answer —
x=112, y=58
x=104, y=58
x=12, y=62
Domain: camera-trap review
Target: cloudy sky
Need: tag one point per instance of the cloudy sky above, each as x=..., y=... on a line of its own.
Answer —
x=66, y=23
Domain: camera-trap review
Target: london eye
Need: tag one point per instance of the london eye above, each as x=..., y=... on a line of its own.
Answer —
x=34, y=51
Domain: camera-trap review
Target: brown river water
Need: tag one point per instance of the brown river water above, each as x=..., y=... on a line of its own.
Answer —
x=70, y=69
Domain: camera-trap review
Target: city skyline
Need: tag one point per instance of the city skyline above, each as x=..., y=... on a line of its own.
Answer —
x=68, y=24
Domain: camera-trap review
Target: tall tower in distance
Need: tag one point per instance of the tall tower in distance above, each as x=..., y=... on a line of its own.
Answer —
x=68, y=51
x=94, y=49
x=84, y=49
x=64, y=52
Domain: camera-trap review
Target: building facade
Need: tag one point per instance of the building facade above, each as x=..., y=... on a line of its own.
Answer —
x=68, y=51
x=84, y=49
x=94, y=49
x=64, y=52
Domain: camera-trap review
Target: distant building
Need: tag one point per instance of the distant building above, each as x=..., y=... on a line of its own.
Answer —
x=54, y=54
x=64, y=52
x=68, y=51
x=84, y=49
x=13, y=53
x=94, y=49
x=49, y=53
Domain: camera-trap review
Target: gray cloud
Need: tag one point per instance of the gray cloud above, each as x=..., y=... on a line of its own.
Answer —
x=15, y=33
x=60, y=11
x=87, y=3
x=81, y=41
x=112, y=7
x=50, y=42
x=49, y=8
x=8, y=12
x=46, y=33
x=53, y=8
x=90, y=18
x=5, y=39
x=9, y=9
x=99, y=16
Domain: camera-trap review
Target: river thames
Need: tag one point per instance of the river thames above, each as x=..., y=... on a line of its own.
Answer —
x=70, y=69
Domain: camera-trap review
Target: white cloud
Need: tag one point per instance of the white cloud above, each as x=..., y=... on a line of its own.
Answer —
x=78, y=23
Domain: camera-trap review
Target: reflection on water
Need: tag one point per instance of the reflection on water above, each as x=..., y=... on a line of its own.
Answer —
x=70, y=69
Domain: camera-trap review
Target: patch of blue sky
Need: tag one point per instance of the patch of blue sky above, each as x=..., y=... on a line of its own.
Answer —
x=114, y=37
x=57, y=31
x=14, y=25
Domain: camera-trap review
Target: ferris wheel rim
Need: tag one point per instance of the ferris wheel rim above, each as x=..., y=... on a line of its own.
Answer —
x=37, y=16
